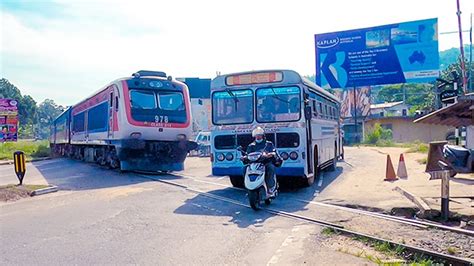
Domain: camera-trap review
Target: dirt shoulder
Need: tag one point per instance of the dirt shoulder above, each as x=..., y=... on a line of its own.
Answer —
x=16, y=192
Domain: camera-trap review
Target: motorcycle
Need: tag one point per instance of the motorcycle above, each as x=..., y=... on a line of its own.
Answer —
x=459, y=159
x=254, y=178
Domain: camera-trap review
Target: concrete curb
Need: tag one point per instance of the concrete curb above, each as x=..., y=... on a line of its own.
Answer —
x=43, y=191
x=7, y=162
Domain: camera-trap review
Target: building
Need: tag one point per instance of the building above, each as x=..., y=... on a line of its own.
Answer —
x=200, y=92
x=389, y=109
x=460, y=114
x=404, y=130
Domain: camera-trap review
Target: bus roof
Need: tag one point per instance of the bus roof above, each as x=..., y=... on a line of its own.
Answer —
x=288, y=77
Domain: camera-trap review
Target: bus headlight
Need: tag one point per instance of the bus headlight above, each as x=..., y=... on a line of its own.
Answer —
x=284, y=155
x=229, y=156
x=220, y=157
x=293, y=155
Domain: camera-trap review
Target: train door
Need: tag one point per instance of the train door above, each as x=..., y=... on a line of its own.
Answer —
x=112, y=116
x=113, y=111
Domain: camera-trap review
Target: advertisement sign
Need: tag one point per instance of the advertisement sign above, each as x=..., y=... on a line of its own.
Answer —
x=361, y=102
x=8, y=120
x=396, y=53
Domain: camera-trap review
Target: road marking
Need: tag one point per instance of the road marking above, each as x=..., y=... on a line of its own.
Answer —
x=320, y=183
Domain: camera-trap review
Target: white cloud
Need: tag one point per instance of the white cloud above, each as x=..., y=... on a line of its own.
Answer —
x=67, y=57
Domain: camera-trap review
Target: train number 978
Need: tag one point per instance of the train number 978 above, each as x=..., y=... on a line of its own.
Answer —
x=161, y=119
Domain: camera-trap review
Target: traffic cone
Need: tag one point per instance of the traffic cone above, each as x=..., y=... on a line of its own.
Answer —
x=390, y=172
x=402, y=168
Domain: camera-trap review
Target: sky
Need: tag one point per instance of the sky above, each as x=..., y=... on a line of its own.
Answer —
x=66, y=50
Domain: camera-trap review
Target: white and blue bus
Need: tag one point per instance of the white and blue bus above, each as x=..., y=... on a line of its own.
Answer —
x=299, y=117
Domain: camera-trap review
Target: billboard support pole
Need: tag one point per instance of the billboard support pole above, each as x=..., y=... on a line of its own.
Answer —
x=355, y=117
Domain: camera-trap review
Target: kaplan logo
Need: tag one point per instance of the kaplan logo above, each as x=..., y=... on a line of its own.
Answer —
x=328, y=43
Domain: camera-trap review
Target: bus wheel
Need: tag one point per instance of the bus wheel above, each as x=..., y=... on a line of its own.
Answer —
x=237, y=181
x=308, y=181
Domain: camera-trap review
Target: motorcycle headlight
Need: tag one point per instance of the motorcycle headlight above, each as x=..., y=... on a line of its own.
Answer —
x=293, y=155
x=220, y=157
x=284, y=155
x=229, y=156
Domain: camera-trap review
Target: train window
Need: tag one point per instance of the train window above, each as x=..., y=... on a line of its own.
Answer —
x=78, y=122
x=97, y=118
x=171, y=101
x=142, y=99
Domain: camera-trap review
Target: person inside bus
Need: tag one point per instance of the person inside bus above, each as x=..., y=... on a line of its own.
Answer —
x=260, y=144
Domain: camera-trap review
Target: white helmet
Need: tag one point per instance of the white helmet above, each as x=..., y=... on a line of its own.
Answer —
x=258, y=131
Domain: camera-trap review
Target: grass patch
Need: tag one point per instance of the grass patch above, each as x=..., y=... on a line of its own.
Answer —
x=418, y=147
x=16, y=192
x=32, y=149
x=328, y=231
x=422, y=160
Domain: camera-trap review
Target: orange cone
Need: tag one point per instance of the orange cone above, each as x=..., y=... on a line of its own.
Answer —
x=390, y=172
x=402, y=168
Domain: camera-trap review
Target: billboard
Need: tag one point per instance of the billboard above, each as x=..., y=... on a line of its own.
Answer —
x=396, y=53
x=8, y=120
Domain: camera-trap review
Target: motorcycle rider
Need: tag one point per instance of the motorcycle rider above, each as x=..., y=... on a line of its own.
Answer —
x=260, y=144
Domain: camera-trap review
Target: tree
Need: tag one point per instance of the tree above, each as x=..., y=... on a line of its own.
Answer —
x=26, y=104
x=48, y=110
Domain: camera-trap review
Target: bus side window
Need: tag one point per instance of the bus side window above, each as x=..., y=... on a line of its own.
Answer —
x=320, y=109
x=116, y=103
x=326, y=113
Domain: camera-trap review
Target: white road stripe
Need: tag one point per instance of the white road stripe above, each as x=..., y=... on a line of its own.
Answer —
x=320, y=183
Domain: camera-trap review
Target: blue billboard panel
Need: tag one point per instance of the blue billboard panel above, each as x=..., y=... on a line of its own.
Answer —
x=396, y=53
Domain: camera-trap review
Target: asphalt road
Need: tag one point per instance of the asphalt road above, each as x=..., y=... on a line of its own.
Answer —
x=101, y=216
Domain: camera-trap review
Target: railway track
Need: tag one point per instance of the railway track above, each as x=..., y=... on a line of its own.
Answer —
x=439, y=257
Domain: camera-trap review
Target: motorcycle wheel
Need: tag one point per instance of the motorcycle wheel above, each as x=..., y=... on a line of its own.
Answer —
x=254, y=199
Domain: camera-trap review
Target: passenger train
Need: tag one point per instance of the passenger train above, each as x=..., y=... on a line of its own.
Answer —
x=141, y=122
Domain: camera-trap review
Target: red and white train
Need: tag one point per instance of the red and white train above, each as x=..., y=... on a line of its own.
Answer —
x=141, y=122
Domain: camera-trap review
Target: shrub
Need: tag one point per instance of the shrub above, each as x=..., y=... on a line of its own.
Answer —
x=379, y=135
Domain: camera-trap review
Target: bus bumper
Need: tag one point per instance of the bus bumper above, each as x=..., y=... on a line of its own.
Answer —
x=282, y=171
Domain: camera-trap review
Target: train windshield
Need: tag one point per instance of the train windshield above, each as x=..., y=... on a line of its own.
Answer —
x=158, y=106
x=232, y=107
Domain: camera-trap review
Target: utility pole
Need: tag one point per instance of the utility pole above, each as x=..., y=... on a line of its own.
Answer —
x=463, y=66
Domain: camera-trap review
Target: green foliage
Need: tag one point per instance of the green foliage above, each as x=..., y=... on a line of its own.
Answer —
x=35, y=121
x=379, y=135
x=418, y=146
x=30, y=148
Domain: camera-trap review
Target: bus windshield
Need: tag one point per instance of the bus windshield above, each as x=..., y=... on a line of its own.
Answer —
x=232, y=107
x=278, y=104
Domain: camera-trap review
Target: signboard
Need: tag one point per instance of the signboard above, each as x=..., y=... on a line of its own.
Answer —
x=361, y=102
x=395, y=53
x=448, y=96
x=8, y=120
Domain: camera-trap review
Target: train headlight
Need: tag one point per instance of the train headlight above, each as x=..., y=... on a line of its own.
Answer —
x=181, y=137
x=229, y=156
x=155, y=84
x=284, y=155
x=293, y=155
x=136, y=135
x=220, y=157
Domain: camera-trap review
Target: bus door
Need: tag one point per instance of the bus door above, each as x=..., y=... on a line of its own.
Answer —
x=307, y=115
